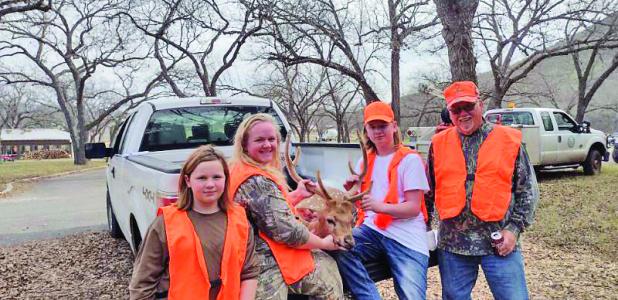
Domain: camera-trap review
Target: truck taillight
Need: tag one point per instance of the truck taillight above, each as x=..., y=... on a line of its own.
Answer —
x=165, y=199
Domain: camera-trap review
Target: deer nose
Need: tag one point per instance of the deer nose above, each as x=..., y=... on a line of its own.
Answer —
x=348, y=242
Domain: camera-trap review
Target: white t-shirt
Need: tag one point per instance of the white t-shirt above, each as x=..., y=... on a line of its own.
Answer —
x=411, y=176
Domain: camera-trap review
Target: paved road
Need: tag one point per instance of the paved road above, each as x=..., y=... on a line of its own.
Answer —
x=54, y=207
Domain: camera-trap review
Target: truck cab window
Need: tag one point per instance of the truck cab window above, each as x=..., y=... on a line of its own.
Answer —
x=511, y=118
x=118, y=138
x=189, y=127
x=547, y=124
x=564, y=122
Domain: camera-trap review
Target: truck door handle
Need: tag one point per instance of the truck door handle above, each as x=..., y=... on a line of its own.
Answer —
x=113, y=172
x=559, y=139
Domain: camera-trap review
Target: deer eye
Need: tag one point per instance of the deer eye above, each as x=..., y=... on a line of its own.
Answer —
x=331, y=222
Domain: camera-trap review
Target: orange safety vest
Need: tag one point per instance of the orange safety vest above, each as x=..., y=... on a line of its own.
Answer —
x=392, y=197
x=187, y=267
x=293, y=263
x=491, y=194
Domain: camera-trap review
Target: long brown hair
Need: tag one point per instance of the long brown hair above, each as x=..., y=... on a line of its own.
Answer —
x=240, y=144
x=200, y=155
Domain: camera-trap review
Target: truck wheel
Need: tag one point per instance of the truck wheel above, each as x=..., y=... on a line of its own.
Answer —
x=112, y=223
x=592, y=165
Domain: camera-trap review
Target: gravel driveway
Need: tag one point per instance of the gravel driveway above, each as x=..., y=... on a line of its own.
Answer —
x=93, y=265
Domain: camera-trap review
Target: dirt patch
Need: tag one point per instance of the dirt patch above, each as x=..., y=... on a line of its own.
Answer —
x=93, y=265
x=84, y=266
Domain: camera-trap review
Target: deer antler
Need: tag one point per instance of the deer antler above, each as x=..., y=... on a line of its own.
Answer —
x=291, y=165
x=364, y=166
x=321, y=190
x=359, y=196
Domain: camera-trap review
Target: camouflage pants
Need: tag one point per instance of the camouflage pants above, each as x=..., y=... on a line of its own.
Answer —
x=323, y=283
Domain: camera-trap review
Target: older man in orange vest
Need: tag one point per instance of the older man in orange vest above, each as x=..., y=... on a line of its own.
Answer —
x=483, y=185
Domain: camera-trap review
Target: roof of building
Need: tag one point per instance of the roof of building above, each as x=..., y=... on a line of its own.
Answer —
x=38, y=134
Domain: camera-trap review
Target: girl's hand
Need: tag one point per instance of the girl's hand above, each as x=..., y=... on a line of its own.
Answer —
x=329, y=244
x=307, y=214
x=368, y=203
x=350, y=182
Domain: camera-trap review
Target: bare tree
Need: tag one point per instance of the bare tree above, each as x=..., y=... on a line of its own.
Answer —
x=342, y=104
x=188, y=36
x=457, y=18
x=20, y=108
x=588, y=82
x=518, y=35
x=405, y=19
x=67, y=46
x=326, y=33
x=299, y=91
x=16, y=6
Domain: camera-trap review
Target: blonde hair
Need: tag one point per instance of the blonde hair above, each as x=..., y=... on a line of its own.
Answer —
x=369, y=145
x=241, y=138
x=200, y=155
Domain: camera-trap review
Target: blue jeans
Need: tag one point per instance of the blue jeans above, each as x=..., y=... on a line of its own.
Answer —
x=409, y=267
x=505, y=275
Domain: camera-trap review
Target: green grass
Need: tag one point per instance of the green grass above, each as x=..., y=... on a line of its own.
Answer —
x=20, y=169
x=578, y=212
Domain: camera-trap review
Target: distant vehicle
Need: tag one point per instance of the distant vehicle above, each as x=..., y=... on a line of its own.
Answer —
x=8, y=157
x=552, y=138
x=329, y=135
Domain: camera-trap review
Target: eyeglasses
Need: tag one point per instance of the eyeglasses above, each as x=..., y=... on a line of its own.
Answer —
x=468, y=107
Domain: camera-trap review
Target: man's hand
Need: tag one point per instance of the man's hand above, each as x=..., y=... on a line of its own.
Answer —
x=368, y=203
x=508, y=244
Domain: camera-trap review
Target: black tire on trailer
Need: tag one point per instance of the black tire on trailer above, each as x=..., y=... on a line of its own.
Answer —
x=112, y=222
x=593, y=162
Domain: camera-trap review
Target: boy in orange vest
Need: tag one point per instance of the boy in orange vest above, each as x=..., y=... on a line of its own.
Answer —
x=392, y=216
x=483, y=184
x=201, y=247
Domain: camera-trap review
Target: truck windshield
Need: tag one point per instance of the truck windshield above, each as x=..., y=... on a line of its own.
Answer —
x=511, y=118
x=189, y=127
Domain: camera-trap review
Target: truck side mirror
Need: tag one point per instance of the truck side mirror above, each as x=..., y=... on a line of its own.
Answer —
x=97, y=150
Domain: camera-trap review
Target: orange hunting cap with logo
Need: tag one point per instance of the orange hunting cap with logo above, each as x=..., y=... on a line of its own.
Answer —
x=379, y=110
x=461, y=91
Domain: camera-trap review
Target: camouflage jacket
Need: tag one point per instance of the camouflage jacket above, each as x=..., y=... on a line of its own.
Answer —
x=465, y=234
x=269, y=213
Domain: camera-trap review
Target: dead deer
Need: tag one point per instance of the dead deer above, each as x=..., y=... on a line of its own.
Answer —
x=334, y=207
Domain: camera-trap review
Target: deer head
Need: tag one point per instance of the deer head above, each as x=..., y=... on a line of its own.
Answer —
x=334, y=207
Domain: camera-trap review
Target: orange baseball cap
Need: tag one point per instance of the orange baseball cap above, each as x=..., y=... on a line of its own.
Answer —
x=378, y=110
x=461, y=91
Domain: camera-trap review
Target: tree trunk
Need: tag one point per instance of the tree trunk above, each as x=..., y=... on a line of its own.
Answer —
x=369, y=94
x=395, y=58
x=456, y=17
x=496, y=98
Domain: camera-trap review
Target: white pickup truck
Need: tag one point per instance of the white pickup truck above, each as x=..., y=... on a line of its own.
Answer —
x=154, y=142
x=551, y=137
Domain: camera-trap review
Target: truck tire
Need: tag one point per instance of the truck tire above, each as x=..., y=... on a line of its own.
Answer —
x=592, y=165
x=112, y=222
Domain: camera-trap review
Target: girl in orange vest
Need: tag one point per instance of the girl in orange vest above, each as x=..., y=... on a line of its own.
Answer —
x=201, y=247
x=287, y=251
x=392, y=216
